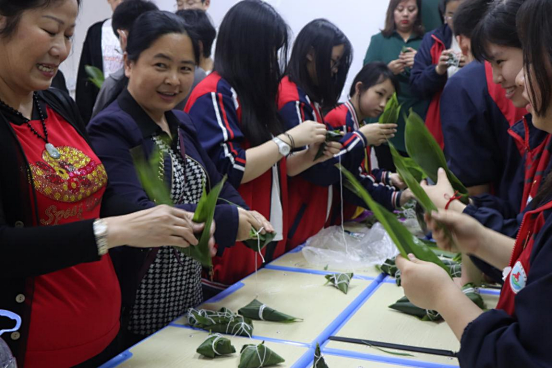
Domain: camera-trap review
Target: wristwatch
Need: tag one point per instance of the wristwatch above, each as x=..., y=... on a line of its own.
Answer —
x=100, y=232
x=283, y=147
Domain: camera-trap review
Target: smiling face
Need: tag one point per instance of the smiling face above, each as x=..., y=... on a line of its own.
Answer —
x=163, y=74
x=31, y=56
x=506, y=63
x=522, y=81
x=405, y=15
x=372, y=101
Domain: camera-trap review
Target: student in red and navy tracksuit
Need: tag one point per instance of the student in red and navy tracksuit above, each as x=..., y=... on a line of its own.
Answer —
x=496, y=43
x=237, y=124
x=372, y=88
x=515, y=333
x=317, y=70
x=431, y=68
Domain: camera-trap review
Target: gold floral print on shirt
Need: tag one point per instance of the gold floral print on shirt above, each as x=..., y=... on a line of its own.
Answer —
x=71, y=178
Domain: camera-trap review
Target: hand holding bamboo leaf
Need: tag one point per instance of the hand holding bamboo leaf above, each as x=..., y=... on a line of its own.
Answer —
x=400, y=235
x=331, y=136
x=423, y=149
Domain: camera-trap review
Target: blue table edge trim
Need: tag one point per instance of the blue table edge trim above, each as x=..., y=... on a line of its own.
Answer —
x=316, y=272
x=384, y=359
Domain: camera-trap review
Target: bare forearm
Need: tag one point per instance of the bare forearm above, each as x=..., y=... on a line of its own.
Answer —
x=458, y=311
x=299, y=162
x=495, y=249
x=260, y=159
x=479, y=189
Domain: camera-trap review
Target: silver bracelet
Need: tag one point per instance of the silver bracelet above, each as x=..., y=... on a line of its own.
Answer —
x=100, y=232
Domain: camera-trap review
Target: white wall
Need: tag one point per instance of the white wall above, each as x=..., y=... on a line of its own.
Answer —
x=358, y=19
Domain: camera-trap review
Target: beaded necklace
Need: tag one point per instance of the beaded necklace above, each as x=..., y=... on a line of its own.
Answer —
x=49, y=147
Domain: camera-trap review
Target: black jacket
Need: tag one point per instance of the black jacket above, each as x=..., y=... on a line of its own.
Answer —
x=87, y=91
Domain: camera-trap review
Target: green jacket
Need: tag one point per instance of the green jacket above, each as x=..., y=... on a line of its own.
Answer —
x=431, y=18
x=386, y=50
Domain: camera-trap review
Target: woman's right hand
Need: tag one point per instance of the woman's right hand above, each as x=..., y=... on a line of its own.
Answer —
x=376, y=133
x=397, y=66
x=467, y=232
x=154, y=227
x=251, y=220
x=307, y=133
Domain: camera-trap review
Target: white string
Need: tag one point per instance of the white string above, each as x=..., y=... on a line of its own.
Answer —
x=351, y=266
x=258, y=235
x=261, y=310
x=338, y=280
x=318, y=359
x=256, y=347
x=214, y=343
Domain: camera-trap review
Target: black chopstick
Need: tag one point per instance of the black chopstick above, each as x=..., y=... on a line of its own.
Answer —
x=417, y=349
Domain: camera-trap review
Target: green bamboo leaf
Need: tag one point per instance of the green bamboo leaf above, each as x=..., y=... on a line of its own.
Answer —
x=414, y=169
x=331, y=136
x=257, y=356
x=262, y=239
x=147, y=171
x=204, y=213
x=391, y=112
x=319, y=361
x=95, y=75
x=403, y=239
x=222, y=321
x=260, y=312
x=423, y=149
x=340, y=281
x=216, y=345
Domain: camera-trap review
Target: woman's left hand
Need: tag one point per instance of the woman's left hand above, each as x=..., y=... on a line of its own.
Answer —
x=425, y=284
x=408, y=57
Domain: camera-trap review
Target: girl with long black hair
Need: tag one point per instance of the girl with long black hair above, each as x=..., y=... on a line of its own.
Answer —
x=234, y=111
x=315, y=77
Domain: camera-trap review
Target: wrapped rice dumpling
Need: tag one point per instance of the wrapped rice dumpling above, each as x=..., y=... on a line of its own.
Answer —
x=223, y=321
x=405, y=306
x=331, y=136
x=319, y=359
x=259, y=311
x=257, y=356
x=258, y=241
x=340, y=281
x=216, y=345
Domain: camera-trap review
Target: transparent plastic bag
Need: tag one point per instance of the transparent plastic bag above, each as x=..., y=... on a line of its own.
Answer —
x=358, y=248
x=6, y=358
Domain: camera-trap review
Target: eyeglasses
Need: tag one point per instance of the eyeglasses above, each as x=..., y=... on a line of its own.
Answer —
x=334, y=64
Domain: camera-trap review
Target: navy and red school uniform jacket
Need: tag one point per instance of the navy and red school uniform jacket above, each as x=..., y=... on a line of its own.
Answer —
x=215, y=109
x=310, y=198
x=424, y=79
x=517, y=333
x=344, y=118
x=476, y=116
x=499, y=214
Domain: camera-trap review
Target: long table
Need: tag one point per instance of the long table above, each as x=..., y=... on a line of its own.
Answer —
x=290, y=285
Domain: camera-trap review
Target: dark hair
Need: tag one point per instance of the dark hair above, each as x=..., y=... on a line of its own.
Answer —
x=443, y=7
x=390, y=26
x=151, y=26
x=320, y=36
x=126, y=13
x=199, y=22
x=147, y=29
x=372, y=74
x=13, y=10
x=496, y=27
x=468, y=15
x=535, y=32
x=246, y=56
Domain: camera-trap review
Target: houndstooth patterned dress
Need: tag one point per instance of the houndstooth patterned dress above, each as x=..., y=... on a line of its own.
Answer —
x=172, y=284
